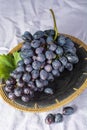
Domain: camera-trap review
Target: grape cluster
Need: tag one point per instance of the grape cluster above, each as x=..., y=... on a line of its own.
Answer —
x=43, y=59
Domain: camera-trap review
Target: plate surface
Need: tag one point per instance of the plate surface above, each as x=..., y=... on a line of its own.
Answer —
x=66, y=87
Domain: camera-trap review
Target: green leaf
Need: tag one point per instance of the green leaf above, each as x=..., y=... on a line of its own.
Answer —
x=55, y=25
x=17, y=57
x=8, y=63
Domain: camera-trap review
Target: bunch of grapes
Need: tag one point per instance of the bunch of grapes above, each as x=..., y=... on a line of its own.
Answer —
x=43, y=59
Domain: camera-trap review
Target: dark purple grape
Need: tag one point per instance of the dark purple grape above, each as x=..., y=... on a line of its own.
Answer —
x=63, y=60
x=61, y=68
x=45, y=82
x=43, y=74
x=53, y=47
x=26, y=77
x=39, y=83
x=39, y=50
x=50, y=119
x=20, y=83
x=29, y=68
x=41, y=57
x=10, y=81
x=68, y=110
x=26, y=90
x=56, y=64
x=48, y=68
x=8, y=89
x=48, y=91
x=35, y=74
x=50, y=77
x=18, y=92
x=20, y=63
x=36, y=65
x=20, y=69
x=11, y=95
x=50, y=55
x=49, y=40
x=25, y=98
x=55, y=73
x=38, y=34
x=58, y=118
x=26, y=53
x=27, y=61
x=69, y=66
x=35, y=43
x=61, y=40
x=25, y=46
x=72, y=58
x=27, y=36
x=59, y=51
x=49, y=32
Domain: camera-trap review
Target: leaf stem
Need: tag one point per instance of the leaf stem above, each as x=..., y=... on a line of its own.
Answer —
x=55, y=25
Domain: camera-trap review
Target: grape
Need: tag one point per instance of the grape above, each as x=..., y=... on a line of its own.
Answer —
x=27, y=36
x=61, y=68
x=20, y=63
x=8, y=89
x=55, y=73
x=39, y=50
x=26, y=53
x=48, y=68
x=71, y=51
x=10, y=81
x=25, y=46
x=35, y=74
x=53, y=47
x=18, y=92
x=31, y=85
x=29, y=68
x=26, y=90
x=26, y=77
x=25, y=98
x=41, y=58
x=50, y=55
x=27, y=61
x=50, y=77
x=61, y=40
x=20, y=83
x=49, y=40
x=35, y=43
x=69, y=66
x=49, y=61
x=36, y=65
x=69, y=44
x=49, y=32
x=42, y=64
x=58, y=118
x=59, y=51
x=56, y=64
x=45, y=82
x=18, y=76
x=11, y=95
x=72, y=58
x=48, y=91
x=68, y=110
x=43, y=74
x=20, y=69
x=42, y=41
x=63, y=60
x=50, y=119
x=39, y=83
x=38, y=34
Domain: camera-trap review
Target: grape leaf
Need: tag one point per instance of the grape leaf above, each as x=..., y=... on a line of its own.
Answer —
x=8, y=63
x=17, y=57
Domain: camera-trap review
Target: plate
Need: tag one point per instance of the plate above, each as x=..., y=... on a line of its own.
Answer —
x=66, y=87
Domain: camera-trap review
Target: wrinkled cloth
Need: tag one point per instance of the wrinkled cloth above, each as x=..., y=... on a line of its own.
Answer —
x=31, y=15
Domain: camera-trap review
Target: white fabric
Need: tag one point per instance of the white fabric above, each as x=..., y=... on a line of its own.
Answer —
x=16, y=16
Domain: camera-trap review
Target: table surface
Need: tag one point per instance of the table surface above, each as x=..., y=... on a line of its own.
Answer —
x=31, y=15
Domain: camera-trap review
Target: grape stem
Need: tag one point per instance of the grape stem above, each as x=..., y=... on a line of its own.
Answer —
x=55, y=25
